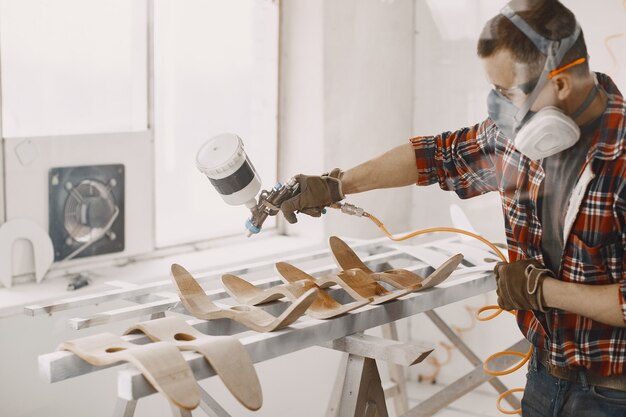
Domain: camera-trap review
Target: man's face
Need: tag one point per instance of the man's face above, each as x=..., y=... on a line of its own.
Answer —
x=515, y=81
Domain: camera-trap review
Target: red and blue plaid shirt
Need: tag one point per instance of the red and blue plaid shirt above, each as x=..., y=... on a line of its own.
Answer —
x=479, y=159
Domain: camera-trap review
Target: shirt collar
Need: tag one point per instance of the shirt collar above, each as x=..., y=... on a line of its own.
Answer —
x=609, y=141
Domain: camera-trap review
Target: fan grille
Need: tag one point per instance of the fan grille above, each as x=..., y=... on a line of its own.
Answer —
x=88, y=208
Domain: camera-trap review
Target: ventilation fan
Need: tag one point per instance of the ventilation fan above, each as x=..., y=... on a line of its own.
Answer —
x=86, y=215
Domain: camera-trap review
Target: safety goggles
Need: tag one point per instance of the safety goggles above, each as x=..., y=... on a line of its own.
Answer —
x=524, y=89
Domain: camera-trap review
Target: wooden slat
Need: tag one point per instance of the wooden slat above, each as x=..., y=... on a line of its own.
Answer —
x=393, y=351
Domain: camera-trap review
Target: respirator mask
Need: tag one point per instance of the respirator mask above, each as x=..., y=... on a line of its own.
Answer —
x=549, y=130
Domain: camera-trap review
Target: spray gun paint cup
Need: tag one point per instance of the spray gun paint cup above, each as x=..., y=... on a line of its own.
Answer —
x=225, y=163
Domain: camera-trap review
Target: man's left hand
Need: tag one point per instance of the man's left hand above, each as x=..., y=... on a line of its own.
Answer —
x=520, y=285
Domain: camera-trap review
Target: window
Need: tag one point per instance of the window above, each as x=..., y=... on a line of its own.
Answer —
x=216, y=70
x=73, y=66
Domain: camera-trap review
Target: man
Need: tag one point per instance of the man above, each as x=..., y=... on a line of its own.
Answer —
x=553, y=147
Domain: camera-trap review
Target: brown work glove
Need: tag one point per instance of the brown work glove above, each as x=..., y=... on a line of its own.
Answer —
x=316, y=192
x=520, y=285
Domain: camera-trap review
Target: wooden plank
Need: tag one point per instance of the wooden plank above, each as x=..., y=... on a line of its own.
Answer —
x=392, y=351
x=396, y=374
x=115, y=294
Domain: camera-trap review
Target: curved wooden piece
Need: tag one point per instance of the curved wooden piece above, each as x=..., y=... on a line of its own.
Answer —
x=324, y=307
x=398, y=278
x=291, y=274
x=161, y=363
x=225, y=354
x=362, y=282
x=442, y=273
x=345, y=256
x=200, y=306
x=244, y=292
x=355, y=282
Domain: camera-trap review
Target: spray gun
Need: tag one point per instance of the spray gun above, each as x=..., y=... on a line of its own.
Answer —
x=225, y=163
x=223, y=160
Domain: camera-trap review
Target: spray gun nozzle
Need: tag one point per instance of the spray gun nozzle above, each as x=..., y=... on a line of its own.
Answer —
x=251, y=227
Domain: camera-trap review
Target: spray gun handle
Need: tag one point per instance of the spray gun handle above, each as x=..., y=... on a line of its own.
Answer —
x=269, y=204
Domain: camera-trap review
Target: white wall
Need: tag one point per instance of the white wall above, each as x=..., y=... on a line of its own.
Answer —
x=368, y=106
x=301, y=140
x=346, y=98
x=2, y=214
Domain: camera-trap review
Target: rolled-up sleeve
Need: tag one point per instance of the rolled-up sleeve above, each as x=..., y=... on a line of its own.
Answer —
x=462, y=161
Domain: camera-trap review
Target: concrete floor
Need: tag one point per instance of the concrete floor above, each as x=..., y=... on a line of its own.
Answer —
x=478, y=403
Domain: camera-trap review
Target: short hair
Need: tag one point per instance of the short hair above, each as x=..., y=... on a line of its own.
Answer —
x=549, y=18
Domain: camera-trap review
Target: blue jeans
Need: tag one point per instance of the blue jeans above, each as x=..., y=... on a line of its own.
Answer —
x=547, y=396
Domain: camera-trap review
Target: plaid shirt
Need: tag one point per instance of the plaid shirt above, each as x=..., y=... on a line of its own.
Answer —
x=479, y=159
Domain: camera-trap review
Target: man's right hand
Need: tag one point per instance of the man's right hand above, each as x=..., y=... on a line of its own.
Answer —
x=316, y=192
